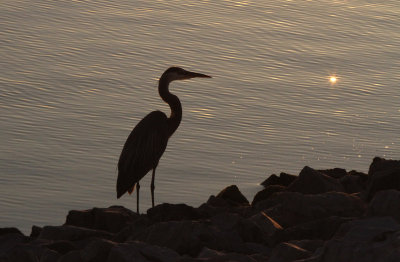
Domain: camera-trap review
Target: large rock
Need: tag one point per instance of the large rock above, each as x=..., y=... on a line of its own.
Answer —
x=139, y=251
x=264, y=225
x=237, y=229
x=233, y=196
x=9, y=240
x=352, y=183
x=185, y=237
x=236, y=233
x=385, y=203
x=28, y=252
x=308, y=244
x=172, y=212
x=334, y=172
x=283, y=179
x=71, y=233
x=129, y=232
x=311, y=181
x=292, y=208
x=35, y=231
x=213, y=255
x=216, y=205
x=383, y=174
x=319, y=229
x=9, y=230
x=356, y=182
x=374, y=239
x=287, y=252
x=111, y=219
x=97, y=250
x=189, y=237
x=226, y=221
x=72, y=256
x=229, y=200
x=49, y=256
x=61, y=246
x=15, y=247
x=267, y=192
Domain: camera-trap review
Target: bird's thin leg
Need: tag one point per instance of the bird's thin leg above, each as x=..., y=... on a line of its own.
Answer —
x=152, y=187
x=137, y=196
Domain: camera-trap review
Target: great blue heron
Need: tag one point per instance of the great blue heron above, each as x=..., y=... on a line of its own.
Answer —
x=148, y=140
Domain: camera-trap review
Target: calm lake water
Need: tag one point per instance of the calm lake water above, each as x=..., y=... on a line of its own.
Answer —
x=76, y=77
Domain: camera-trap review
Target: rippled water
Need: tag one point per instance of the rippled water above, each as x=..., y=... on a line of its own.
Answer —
x=76, y=76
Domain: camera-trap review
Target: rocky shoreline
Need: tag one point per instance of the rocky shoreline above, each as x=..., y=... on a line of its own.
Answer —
x=319, y=215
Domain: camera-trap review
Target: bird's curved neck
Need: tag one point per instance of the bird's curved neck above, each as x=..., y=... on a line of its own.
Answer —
x=173, y=101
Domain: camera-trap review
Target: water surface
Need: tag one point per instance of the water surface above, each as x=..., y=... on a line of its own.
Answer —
x=76, y=76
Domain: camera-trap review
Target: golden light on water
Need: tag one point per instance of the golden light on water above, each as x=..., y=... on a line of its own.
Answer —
x=333, y=79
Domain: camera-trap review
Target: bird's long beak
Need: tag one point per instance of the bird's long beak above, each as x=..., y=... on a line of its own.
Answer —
x=193, y=74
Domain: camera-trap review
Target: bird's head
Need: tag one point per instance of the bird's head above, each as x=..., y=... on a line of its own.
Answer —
x=177, y=73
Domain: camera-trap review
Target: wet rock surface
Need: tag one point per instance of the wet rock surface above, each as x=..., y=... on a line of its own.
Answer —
x=318, y=216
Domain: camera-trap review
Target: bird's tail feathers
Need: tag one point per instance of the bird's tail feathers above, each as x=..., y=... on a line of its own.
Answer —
x=130, y=190
x=121, y=190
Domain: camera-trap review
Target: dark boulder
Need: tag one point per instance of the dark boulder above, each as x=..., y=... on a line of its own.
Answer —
x=216, y=205
x=263, y=225
x=228, y=240
x=308, y=244
x=287, y=252
x=189, y=237
x=49, y=256
x=367, y=228
x=334, y=172
x=139, y=251
x=383, y=174
x=80, y=218
x=229, y=200
x=267, y=192
x=9, y=241
x=283, y=179
x=311, y=181
x=248, y=232
x=111, y=219
x=286, y=179
x=385, y=203
x=238, y=230
x=271, y=180
x=217, y=202
x=97, y=250
x=26, y=252
x=352, y=184
x=72, y=256
x=258, y=250
x=374, y=239
x=213, y=255
x=185, y=237
x=363, y=178
x=225, y=220
x=62, y=246
x=319, y=229
x=71, y=233
x=233, y=196
x=9, y=230
x=35, y=231
x=172, y=212
x=131, y=231
x=292, y=208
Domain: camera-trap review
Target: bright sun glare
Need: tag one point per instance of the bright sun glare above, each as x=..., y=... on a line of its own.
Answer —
x=333, y=79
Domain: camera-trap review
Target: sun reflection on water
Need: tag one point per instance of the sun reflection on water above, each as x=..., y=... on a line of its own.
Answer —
x=333, y=79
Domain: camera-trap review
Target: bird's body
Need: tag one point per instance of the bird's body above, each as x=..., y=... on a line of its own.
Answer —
x=148, y=140
x=133, y=155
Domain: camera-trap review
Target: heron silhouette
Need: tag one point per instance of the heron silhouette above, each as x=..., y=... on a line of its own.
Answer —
x=148, y=140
